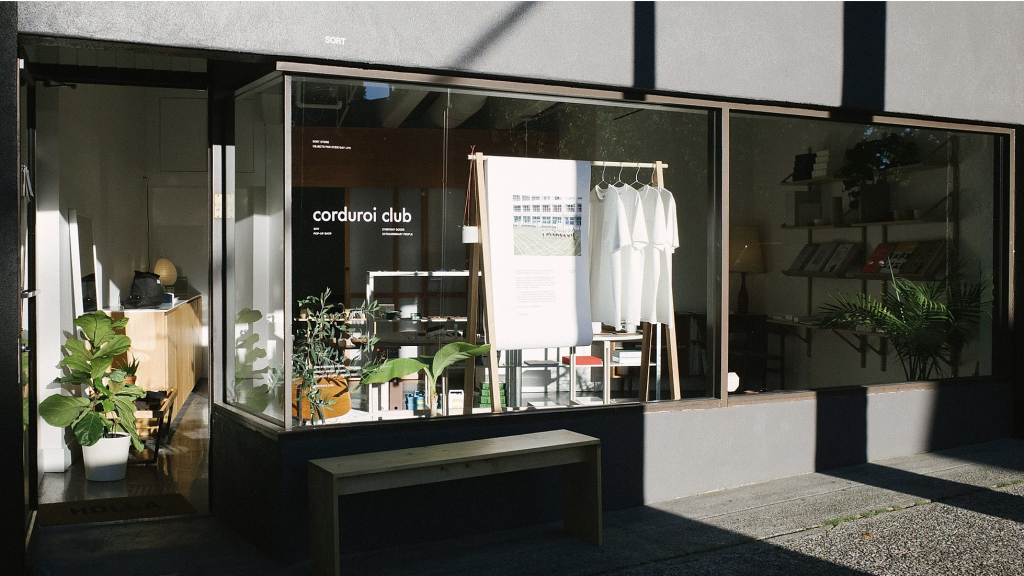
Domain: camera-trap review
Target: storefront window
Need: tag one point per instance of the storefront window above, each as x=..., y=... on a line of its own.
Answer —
x=381, y=193
x=255, y=240
x=859, y=254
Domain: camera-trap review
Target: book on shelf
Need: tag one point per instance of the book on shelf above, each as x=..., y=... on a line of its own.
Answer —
x=820, y=166
x=842, y=258
x=927, y=258
x=874, y=262
x=819, y=173
x=803, y=257
x=898, y=257
x=821, y=256
x=803, y=165
x=821, y=155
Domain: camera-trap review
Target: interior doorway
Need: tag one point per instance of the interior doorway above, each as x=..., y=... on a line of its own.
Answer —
x=121, y=188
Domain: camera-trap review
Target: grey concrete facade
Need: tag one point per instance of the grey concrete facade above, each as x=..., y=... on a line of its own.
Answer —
x=947, y=60
x=944, y=59
x=259, y=483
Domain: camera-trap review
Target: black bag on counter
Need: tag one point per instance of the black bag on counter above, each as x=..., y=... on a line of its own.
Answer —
x=146, y=291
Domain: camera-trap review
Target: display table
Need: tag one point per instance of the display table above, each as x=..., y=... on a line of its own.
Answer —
x=167, y=343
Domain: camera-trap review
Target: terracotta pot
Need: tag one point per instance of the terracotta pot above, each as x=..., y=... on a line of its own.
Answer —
x=330, y=387
x=130, y=379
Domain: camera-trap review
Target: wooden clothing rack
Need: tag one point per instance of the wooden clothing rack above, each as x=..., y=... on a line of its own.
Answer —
x=480, y=264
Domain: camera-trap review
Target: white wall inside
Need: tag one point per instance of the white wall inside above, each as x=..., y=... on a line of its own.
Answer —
x=133, y=160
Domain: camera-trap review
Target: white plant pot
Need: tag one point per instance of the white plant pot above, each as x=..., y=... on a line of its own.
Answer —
x=107, y=459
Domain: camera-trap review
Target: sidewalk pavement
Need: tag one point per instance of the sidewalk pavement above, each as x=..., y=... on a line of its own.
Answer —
x=946, y=513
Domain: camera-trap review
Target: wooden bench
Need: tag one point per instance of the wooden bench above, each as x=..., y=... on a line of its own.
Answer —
x=578, y=455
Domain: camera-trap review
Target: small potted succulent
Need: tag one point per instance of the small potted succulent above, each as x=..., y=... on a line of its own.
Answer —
x=103, y=421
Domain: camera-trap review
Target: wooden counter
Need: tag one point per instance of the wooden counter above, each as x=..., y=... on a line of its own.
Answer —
x=168, y=345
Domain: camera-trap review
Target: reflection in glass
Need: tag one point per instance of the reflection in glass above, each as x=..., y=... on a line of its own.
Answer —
x=877, y=253
x=380, y=199
x=255, y=239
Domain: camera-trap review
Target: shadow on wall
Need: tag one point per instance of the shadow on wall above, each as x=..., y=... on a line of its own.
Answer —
x=864, y=55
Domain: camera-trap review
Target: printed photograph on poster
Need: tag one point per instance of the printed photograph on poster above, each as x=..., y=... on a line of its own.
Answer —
x=536, y=209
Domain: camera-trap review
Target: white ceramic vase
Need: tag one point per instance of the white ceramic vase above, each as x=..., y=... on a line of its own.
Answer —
x=107, y=459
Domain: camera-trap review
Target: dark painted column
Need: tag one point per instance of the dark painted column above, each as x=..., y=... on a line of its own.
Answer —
x=12, y=471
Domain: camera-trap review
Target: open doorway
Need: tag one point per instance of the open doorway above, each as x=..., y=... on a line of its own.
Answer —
x=122, y=190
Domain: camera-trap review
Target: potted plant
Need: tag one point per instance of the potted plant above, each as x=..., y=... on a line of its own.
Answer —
x=928, y=324
x=866, y=170
x=445, y=357
x=103, y=421
x=130, y=369
x=319, y=362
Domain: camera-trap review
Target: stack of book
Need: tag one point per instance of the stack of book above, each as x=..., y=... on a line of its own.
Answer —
x=829, y=258
x=920, y=259
x=627, y=357
x=810, y=165
x=820, y=164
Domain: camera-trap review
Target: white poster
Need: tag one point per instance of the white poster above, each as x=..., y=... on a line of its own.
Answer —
x=537, y=218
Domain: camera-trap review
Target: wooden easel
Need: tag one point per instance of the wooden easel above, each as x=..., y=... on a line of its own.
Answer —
x=480, y=256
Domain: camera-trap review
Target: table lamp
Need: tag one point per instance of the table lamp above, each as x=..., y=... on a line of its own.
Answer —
x=167, y=272
x=744, y=256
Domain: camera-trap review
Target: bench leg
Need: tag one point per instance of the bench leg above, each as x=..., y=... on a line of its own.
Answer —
x=324, y=536
x=581, y=498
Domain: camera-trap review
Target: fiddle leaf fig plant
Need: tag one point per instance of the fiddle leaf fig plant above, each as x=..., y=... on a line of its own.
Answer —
x=109, y=406
x=445, y=357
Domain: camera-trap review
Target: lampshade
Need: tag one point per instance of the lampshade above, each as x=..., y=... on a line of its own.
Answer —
x=745, y=249
x=165, y=269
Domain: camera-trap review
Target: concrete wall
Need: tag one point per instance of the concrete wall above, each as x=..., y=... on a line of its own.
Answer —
x=648, y=456
x=957, y=60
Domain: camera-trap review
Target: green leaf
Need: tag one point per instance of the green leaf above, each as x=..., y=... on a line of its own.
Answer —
x=77, y=347
x=394, y=368
x=247, y=316
x=257, y=399
x=116, y=345
x=76, y=362
x=132, y=391
x=87, y=322
x=455, y=352
x=120, y=324
x=253, y=355
x=108, y=406
x=249, y=342
x=89, y=429
x=99, y=367
x=60, y=411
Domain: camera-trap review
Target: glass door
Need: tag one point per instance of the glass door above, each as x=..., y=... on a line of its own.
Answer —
x=256, y=253
x=27, y=286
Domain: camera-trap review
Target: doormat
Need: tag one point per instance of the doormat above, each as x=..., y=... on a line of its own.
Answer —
x=113, y=509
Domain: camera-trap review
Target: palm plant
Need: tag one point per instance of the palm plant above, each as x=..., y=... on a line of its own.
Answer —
x=928, y=324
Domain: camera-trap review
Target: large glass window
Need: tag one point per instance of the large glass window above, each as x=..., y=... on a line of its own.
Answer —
x=255, y=238
x=379, y=177
x=859, y=254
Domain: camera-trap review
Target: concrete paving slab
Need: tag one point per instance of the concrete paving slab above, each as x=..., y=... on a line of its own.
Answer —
x=808, y=524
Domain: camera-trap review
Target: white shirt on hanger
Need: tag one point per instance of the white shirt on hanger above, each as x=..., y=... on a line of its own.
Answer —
x=654, y=260
x=609, y=234
x=665, y=309
x=632, y=256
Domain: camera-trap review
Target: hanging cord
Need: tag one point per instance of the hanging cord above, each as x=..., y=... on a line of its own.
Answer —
x=149, y=256
x=444, y=205
x=469, y=189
